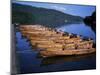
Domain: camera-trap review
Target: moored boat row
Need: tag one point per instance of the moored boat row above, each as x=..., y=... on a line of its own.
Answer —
x=53, y=42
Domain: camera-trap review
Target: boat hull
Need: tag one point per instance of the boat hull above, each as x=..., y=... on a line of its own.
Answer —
x=48, y=53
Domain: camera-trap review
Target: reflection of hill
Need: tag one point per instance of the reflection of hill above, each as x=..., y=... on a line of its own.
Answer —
x=60, y=59
x=91, y=21
x=24, y=14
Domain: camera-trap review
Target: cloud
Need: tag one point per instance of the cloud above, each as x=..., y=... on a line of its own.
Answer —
x=58, y=8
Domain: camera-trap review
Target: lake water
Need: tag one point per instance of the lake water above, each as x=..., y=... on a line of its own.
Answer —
x=29, y=62
x=80, y=29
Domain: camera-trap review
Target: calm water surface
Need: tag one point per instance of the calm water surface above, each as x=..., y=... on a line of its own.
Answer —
x=80, y=29
x=29, y=62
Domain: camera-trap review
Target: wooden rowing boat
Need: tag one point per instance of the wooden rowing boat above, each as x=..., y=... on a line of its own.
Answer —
x=50, y=53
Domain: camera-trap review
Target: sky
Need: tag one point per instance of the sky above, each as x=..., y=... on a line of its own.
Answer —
x=78, y=10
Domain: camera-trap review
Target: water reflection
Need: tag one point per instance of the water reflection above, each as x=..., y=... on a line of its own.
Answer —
x=61, y=59
x=79, y=29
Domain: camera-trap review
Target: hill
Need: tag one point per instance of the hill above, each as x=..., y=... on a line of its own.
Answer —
x=25, y=14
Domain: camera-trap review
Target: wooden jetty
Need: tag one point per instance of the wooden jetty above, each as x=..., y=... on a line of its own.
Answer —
x=55, y=43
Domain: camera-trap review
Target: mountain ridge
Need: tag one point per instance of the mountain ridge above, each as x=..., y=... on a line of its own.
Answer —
x=25, y=14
